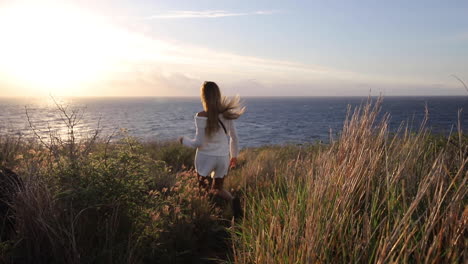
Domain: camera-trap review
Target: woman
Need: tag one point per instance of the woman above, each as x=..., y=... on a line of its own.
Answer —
x=215, y=154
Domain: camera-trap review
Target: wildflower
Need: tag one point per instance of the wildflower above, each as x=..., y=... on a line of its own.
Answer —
x=166, y=209
x=153, y=193
x=155, y=217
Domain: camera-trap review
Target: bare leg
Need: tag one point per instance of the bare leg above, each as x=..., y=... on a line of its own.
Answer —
x=235, y=202
x=218, y=189
x=204, y=183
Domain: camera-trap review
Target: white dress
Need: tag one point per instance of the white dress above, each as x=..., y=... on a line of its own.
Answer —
x=213, y=152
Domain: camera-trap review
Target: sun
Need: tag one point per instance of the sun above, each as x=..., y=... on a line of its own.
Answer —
x=55, y=49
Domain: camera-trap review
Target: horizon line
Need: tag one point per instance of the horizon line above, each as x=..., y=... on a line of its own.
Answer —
x=247, y=96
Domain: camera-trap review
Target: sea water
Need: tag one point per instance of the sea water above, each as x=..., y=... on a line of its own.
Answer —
x=267, y=120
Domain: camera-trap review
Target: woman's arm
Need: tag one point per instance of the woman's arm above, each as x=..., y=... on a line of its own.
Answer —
x=199, y=135
x=234, y=144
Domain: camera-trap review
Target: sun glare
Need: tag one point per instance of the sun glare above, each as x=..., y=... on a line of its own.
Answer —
x=55, y=49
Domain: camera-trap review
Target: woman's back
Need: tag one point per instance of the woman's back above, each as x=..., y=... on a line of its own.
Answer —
x=215, y=153
x=217, y=144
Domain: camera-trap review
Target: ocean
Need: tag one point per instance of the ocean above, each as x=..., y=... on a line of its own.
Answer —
x=268, y=120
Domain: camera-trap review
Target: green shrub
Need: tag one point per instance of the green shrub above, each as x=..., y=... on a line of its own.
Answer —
x=176, y=156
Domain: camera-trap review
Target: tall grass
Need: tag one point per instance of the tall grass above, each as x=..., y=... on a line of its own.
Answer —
x=113, y=204
x=370, y=197
x=94, y=200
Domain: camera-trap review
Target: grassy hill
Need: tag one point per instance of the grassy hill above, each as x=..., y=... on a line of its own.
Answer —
x=369, y=196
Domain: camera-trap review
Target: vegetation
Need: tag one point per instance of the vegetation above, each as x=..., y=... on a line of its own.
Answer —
x=370, y=196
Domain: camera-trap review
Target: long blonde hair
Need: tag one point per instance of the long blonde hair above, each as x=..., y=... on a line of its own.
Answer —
x=215, y=104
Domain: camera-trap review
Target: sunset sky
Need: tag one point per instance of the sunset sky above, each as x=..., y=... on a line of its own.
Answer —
x=251, y=48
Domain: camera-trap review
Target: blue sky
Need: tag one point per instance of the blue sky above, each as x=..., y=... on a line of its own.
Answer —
x=400, y=37
x=301, y=47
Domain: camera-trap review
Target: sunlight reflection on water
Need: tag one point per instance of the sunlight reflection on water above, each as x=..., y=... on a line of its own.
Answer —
x=267, y=120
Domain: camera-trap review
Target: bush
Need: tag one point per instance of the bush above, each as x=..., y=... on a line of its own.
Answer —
x=102, y=201
x=176, y=156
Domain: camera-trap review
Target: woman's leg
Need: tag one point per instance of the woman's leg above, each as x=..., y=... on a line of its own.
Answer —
x=204, y=183
x=204, y=164
x=219, y=190
x=221, y=170
x=235, y=202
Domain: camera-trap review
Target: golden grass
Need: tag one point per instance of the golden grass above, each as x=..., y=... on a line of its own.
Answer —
x=369, y=197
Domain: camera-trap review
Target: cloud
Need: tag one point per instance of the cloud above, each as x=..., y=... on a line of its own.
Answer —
x=154, y=81
x=463, y=36
x=137, y=64
x=168, y=68
x=178, y=70
x=206, y=14
x=457, y=37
